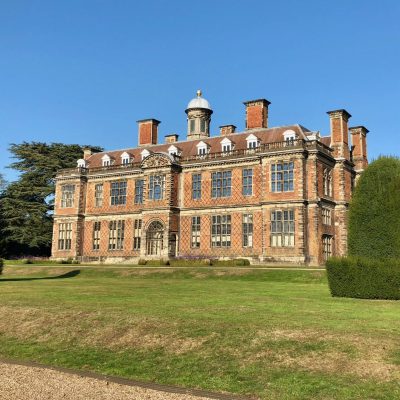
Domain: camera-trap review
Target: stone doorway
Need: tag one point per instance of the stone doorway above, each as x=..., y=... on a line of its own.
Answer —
x=154, y=239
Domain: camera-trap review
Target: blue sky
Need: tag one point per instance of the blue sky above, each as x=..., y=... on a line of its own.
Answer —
x=85, y=71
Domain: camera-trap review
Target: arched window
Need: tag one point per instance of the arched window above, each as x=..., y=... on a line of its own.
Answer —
x=154, y=238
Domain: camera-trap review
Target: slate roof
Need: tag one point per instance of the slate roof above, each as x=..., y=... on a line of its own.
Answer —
x=188, y=147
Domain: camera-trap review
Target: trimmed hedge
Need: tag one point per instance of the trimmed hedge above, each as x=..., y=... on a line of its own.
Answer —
x=363, y=278
x=374, y=217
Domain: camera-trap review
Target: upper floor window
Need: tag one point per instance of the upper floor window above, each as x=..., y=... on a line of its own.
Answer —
x=282, y=177
x=106, y=160
x=247, y=230
x=221, y=231
x=173, y=150
x=202, y=125
x=247, y=182
x=282, y=228
x=192, y=123
x=196, y=186
x=252, y=141
x=116, y=235
x=195, y=236
x=145, y=153
x=98, y=194
x=289, y=137
x=118, y=193
x=125, y=158
x=96, y=235
x=81, y=163
x=67, y=195
x=156, y=187
x=226, y=145
x=327, y=182
x=202, y=148
x=139, y=186
x=64, y=236
x=221, y=184
x=326, y=216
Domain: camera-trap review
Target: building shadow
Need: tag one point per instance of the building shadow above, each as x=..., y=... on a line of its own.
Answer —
x=69, y=274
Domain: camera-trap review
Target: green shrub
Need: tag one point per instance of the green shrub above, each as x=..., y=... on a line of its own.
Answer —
x=374, y=215
x=1, y=265
x=363, y=278
x=142, y=261
x=237, y=262
x=27, y=261
x=69, y=260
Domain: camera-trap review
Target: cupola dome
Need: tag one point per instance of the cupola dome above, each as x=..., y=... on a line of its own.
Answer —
x=199, y=102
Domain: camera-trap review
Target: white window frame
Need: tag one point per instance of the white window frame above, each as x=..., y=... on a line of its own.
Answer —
x=125, y=158
x=202, y=148
x=289, y=137
x=173, y=150
x=226, y=145
x=252, y=142
x=145, y=153
x=81, y=163
x=106, y=160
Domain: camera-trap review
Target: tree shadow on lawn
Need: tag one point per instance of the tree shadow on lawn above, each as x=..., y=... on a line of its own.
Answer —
x=69, y=274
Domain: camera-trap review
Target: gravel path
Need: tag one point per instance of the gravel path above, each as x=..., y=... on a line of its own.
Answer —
x=21, y=382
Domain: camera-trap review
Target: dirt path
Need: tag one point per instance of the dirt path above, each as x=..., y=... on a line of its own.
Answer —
x=30, y=382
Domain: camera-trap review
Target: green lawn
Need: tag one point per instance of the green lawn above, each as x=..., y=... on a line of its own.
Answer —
x=271, y=334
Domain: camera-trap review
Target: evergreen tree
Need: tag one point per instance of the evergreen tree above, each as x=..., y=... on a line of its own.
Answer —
x=26, y=205
x=374, y=218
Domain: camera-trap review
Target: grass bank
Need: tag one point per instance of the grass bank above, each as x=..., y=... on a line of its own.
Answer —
x=272, y=334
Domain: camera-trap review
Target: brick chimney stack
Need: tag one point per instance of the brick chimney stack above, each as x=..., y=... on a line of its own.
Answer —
x=226, y=130
x=148, y=131
x=359, y=145
x=257, y=113
x=340, y=133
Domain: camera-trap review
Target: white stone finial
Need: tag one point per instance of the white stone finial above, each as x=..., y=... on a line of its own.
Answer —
x=199, y=93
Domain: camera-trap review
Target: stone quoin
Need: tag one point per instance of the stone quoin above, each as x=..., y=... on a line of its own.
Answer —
x=269, y=194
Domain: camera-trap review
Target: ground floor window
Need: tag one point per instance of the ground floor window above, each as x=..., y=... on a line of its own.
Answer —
x=195, y=241
x=221, y=231
x=247, y=230
x=282, y=228
x=96, y=235
x=327, y=246
x=137, y=234
x=64, y=236
x=116, y=235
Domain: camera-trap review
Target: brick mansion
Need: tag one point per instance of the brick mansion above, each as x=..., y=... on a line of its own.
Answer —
x=269, y=194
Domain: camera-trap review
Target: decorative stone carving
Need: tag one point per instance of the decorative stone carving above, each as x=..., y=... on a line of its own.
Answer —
x=157, y=160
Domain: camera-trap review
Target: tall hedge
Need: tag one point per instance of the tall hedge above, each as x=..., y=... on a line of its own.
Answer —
x=363, y=278
x=374, y=217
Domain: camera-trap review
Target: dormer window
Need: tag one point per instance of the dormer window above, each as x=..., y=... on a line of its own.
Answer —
x=226, y=145
x=252, y=141
x=145, y=153
x=289, y=137
x=106, y=160
x=202, y=148
x=81, y=163
x=125, y=158
x=173, y=150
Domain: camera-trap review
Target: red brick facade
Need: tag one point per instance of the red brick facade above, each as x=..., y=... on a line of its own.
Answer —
x=204, y=205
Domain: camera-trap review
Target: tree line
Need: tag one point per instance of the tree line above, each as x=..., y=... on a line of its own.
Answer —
x=27, y=204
